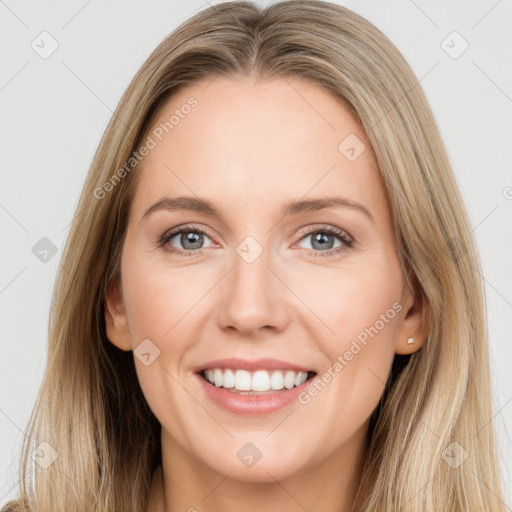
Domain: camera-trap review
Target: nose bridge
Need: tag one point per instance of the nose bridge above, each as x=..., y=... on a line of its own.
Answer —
x=252, y=296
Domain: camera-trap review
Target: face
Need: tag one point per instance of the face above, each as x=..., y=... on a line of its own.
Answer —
x=279, y=264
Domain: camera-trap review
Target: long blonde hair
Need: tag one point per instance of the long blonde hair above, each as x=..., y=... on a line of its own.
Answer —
x=90, y=409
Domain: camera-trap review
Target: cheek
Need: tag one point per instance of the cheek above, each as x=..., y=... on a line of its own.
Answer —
x=345, y=301
x=160, y=308
x=360, y=313
x=159, y=299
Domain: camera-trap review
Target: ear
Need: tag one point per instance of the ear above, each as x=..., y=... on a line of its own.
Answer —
x=116, y=321
x=414, y=322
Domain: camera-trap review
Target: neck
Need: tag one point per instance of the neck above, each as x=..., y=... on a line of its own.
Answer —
x=182, y=482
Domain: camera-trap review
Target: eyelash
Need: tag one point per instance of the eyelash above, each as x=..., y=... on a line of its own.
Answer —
x=347, y=240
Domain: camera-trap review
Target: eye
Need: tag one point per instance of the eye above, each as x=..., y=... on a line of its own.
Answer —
x=190, y=238
x=324, y=238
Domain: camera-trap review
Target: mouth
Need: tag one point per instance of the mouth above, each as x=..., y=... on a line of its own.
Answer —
x=256, y=382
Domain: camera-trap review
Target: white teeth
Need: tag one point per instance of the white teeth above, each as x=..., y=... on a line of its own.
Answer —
x=242, y=380
x=217, y=377
x=229, y=379
x=289, y=379
x=277, y=380
x=260, y=380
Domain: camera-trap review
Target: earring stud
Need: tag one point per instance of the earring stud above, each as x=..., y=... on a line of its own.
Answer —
x=410, y=340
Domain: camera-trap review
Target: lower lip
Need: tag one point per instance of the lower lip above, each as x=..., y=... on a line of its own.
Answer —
x=252, y=405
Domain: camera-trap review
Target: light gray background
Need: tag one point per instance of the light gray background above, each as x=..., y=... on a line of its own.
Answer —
x=54, y=111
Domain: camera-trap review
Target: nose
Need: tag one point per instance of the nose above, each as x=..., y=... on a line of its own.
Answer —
x=253, y=298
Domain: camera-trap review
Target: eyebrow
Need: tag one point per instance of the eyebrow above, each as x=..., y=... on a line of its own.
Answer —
x=291, y=208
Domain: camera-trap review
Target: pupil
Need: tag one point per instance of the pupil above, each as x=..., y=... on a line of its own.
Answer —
x=322, y=239
x=191, y=238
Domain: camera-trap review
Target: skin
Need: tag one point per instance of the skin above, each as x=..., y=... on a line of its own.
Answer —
x=250, y=146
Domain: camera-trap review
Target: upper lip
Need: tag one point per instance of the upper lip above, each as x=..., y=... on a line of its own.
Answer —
x=265, y=363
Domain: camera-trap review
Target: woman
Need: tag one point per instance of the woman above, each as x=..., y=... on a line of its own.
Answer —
x=269, y=298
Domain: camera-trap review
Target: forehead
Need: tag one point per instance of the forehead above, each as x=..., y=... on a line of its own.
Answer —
x=242, y=139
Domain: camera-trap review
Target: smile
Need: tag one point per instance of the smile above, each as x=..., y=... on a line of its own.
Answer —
x=255, y=382
x=252, y=388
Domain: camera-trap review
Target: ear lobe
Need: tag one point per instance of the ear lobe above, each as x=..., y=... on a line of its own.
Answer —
x=116, y=321
x=415, y=323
